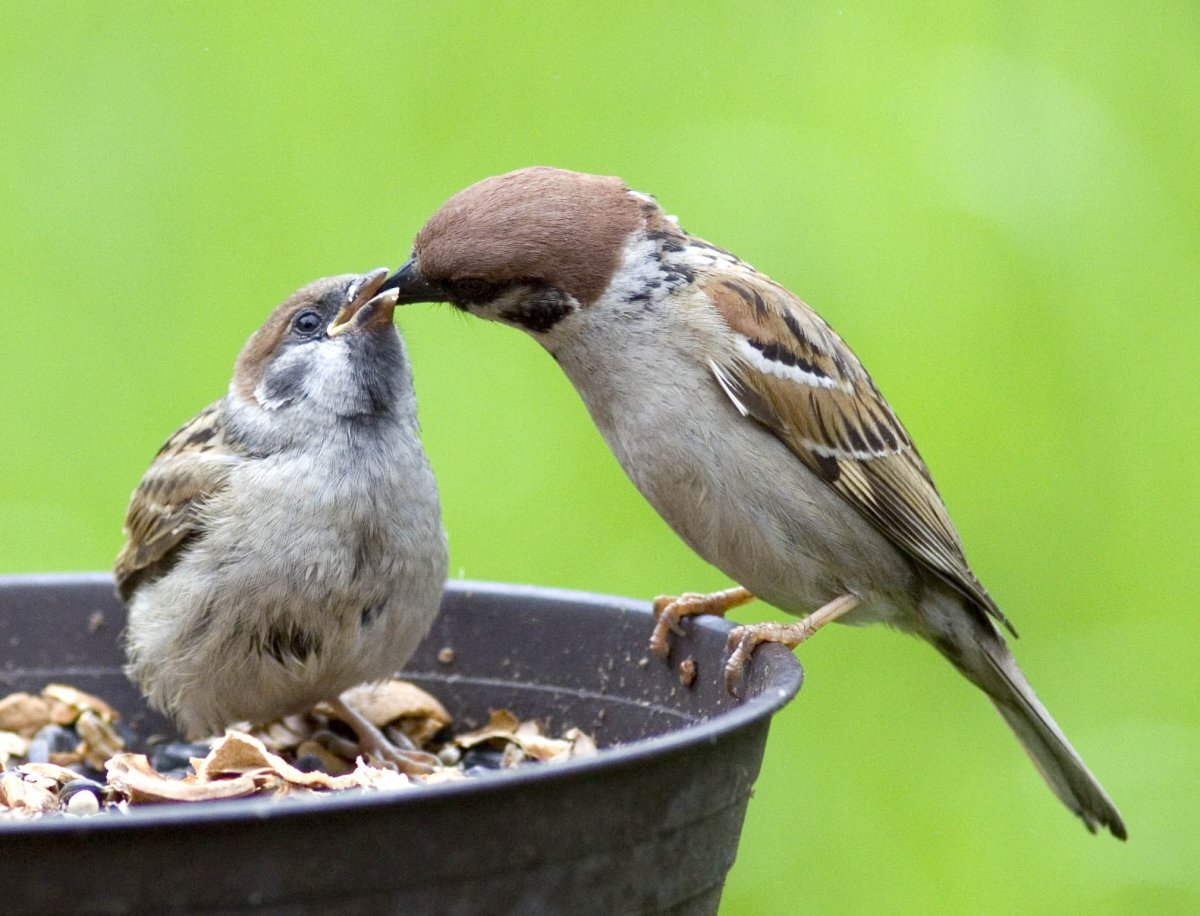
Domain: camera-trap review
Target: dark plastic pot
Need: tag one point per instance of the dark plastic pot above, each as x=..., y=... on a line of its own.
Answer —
x=650, y=825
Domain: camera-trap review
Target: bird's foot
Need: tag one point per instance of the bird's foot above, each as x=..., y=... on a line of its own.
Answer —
x=670, y=609
x=375, y=747
x=745, y=639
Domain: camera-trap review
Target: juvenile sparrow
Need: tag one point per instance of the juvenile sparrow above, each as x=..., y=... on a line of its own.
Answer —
x=745, y=421
x=286, y=543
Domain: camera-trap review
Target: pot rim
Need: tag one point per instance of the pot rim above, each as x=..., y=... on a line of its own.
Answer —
x=783, y=685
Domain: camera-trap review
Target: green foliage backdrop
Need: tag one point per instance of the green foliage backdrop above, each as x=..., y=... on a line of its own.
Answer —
x=996, y=204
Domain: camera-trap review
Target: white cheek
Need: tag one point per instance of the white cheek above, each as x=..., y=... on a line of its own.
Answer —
x=637, y=271
x=325, y=371
x=330, y=377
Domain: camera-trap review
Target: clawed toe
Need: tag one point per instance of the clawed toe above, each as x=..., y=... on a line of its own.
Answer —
x=740, y=645
x=745, y=639
x=669, y=610
x=374, y=746
x=410, y=763
x=660, y=641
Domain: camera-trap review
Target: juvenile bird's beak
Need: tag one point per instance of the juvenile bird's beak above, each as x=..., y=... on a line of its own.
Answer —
x=369, y=305
x=411, y=286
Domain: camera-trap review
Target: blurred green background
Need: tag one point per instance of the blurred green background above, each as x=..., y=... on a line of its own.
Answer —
x=996, y=204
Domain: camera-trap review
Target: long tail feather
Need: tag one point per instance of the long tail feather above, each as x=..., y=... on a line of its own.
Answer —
x=986, y=661
x=1051, y=752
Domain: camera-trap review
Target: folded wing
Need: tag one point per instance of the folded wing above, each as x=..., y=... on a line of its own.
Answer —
x=791, y=372
x=163, y=513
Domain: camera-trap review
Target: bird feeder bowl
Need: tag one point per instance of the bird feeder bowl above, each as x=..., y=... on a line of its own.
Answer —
x=649, y=824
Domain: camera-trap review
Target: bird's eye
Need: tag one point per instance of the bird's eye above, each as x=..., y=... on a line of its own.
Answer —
x=307, y=323
x=476, y=289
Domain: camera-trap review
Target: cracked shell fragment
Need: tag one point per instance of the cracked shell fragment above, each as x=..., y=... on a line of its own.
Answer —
x=419, y=714
x=297, y=756
x=521, y=741
x=238, y=765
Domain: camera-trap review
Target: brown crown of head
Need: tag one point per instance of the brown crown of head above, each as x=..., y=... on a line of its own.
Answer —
x=326, y=295
x=538, y=224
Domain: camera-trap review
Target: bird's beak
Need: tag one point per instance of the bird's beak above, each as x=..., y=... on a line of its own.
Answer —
x=369, y=305
x=411, y=286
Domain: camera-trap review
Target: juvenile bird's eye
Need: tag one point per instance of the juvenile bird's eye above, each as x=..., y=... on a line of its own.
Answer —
x=307, y=323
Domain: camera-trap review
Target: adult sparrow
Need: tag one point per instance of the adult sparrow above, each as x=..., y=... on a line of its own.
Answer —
x=745, y=421
x=286, y=543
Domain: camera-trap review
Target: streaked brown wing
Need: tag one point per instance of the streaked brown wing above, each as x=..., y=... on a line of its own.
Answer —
x=190, y=467
x=790, y=371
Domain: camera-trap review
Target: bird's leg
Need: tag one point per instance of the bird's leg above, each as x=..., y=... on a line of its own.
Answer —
x=744, y=640
x=372, y=743
x=670, y=609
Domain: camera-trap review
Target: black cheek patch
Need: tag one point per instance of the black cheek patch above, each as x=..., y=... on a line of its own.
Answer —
x=284, y=383
x=540, y=312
